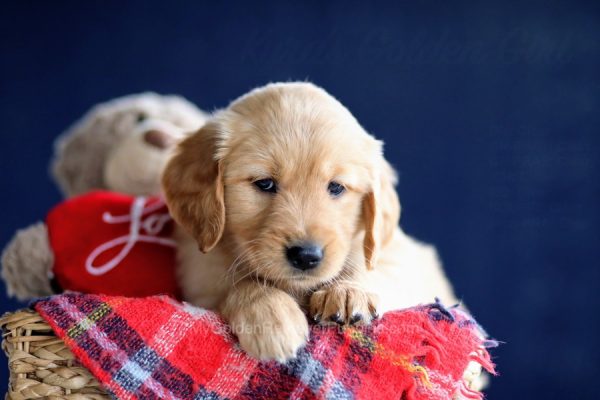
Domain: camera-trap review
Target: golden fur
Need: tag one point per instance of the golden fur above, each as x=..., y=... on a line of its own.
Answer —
x=301, y=137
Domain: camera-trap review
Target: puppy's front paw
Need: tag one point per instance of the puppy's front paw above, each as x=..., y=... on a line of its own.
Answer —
x=343, y=305
x=271, y=328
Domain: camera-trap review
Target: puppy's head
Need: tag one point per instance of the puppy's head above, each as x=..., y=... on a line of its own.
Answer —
x=292, y=179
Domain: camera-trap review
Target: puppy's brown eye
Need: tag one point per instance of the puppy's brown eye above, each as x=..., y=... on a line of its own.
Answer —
x=266, y=185
x=335, y=189
x=141, y=117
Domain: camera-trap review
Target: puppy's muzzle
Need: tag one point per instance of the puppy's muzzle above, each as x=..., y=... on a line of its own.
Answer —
x=304, y=256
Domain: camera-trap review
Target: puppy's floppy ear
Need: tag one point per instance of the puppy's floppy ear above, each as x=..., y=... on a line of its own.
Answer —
x=193, y=187
x=381, y=211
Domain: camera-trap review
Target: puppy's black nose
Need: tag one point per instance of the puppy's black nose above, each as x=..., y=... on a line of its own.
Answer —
x=305, y=256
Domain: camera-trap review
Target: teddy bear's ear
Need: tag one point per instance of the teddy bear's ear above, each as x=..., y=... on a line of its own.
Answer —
x=193, y=187
x=78, y=161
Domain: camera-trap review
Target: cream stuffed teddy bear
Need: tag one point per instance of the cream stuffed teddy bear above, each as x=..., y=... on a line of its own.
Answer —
x=121, y=145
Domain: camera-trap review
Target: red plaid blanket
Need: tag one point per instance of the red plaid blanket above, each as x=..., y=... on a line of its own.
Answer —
x=157, y=348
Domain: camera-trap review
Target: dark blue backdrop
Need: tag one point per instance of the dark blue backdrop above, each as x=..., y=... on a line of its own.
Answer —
x=490, y=112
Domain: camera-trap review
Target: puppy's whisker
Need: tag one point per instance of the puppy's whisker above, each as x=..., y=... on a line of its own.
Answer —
x=244, y=256
x=237, y=262
x=256, y=258
x=248, y=273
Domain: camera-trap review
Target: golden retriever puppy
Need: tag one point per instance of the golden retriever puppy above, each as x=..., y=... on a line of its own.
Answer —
x=294, y=212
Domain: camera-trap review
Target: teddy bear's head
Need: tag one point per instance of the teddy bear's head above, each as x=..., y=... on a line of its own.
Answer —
x=123, y=144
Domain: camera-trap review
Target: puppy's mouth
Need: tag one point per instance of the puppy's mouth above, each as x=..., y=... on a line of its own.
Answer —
x=300, y=276
x=300, y=281
x=299, y=265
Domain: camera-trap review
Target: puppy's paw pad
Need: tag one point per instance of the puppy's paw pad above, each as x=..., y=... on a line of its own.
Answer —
x=343, y=306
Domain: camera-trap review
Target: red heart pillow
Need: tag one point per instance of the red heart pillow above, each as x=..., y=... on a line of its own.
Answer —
x=114, y=244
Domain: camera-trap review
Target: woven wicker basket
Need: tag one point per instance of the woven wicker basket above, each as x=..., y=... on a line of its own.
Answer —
x=40, y=364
